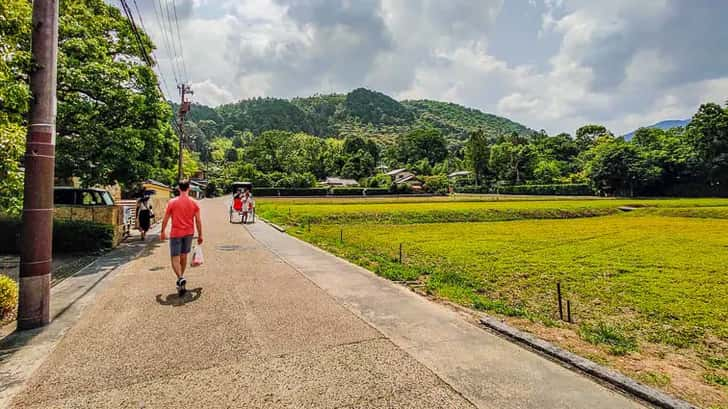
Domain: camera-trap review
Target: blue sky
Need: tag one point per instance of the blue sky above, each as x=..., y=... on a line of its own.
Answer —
x=549, y=64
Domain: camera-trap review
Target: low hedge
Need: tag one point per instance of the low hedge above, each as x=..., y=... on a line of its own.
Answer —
x=378, y=191
x=69, y=236
x=282, y=191
x=472, y=189
x=348, y=191
x=558, y=190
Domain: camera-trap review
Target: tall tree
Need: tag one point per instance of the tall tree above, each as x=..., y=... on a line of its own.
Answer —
x=477, y=154
x=112, y=124
x=587, y=135
x=709, y=131
x=14, y=97
x=421, y=143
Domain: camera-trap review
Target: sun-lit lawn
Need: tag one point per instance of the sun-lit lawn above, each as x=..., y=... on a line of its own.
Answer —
x=656, y=275
x=406, y=210
x=663, y=278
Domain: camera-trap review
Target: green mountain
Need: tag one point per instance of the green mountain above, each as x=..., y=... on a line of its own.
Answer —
x=360, y=112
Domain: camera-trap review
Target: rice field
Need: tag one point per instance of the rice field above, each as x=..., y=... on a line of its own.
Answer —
x=651, y=279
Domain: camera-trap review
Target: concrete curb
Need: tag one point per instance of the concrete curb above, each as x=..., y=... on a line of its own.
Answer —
x=275, y=226
x=622, y=382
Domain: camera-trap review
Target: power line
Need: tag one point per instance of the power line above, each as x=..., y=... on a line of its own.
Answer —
x=154, y=55
x=137, y=35
x=171, y=32
x=135, y=31
x=179, y=38
x=165, y=38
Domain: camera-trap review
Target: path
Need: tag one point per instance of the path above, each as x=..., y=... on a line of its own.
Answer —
x=289, y=327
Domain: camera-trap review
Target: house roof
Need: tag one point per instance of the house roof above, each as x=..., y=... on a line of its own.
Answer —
x=459, y=173
x=340, y=181
x=408, y=178
x=395, y=171
x=155, y=183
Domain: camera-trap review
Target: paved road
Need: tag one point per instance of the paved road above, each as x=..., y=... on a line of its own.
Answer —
x=272, y=322
x=255, y=333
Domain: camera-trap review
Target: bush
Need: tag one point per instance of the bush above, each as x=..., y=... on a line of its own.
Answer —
x=379, y=181
x=274, y=191
x=348, y=191
x=9, y=235
x=557, y=189
x=68, y=236
x=437, y=184
x=8, y=296
x=81, y=236
x=472, y=189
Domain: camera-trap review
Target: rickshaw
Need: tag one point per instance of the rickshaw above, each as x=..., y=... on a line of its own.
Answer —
x=236, y=210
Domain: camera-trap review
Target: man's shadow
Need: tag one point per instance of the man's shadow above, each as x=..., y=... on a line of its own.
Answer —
x=176, y=301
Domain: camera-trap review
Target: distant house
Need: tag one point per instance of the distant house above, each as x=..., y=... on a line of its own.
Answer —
x=381, y=168
x=404, y=176
x=459, y=174
x=334, y=181
x=197, y=189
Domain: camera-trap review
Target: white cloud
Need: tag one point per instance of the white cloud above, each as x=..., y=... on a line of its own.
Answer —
x=209, y=93
x=623, y=63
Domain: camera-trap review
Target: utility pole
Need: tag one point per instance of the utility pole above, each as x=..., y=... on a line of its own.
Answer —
x=37, y=231
x=184, y=108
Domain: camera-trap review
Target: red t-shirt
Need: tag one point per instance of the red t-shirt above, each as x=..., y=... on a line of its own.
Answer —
x=182, y=210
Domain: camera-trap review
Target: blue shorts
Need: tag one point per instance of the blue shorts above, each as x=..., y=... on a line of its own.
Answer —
x=180, y=245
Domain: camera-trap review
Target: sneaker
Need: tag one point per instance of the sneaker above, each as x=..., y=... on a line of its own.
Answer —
x=181, y=282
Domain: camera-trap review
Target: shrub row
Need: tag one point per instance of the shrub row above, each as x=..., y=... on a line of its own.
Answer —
x=275, y=191
x=564, y=189
x=324, y=191
x=68, y=236
x=557, y=189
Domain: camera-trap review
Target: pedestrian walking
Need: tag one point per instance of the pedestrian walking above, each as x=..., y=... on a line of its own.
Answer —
x=144, y=215
x=185, y=214
x=246, y=205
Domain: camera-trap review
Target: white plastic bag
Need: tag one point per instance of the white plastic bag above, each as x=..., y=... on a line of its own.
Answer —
x=197, y=257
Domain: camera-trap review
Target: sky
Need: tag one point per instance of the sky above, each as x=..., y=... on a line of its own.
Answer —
x=548, y=64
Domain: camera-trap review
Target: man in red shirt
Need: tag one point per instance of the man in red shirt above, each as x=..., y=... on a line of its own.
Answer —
x=183, y=211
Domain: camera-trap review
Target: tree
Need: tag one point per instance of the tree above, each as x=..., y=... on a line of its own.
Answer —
x=709, y=132
x=209, y=127
x=231, y=155
x=358, y=165
x=353, y=144
x=421, y=143
x=190, y=163
x=477, y=154
x=238, y=140
x=511, y=160
x=112, y=123
x=619, y=168
x=547, y=171
x=588, y=134
x=14, y=97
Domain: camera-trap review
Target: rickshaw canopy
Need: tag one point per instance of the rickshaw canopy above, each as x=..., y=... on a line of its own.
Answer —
x=242, y=186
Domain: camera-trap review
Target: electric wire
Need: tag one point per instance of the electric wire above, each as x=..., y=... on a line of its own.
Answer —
x=165, y=38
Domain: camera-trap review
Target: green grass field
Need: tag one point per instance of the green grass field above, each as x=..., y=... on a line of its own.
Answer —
x=654, y=275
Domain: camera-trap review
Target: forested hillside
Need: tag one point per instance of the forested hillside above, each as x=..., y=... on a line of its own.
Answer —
x=361, y=112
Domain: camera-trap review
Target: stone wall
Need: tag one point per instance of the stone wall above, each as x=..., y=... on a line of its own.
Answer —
x=100, y=214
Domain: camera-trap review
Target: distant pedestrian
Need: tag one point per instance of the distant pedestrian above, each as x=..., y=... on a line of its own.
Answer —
x=185, y=215
x=238, y=201
x=246, y=205
x=144, y=215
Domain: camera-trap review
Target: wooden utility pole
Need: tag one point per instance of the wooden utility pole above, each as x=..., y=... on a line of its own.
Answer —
x=37, y=231
x=184, y=107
